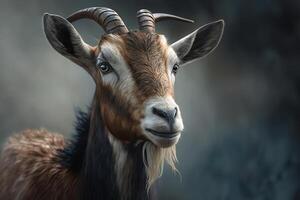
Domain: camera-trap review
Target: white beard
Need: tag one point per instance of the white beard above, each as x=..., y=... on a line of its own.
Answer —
x=154, y=158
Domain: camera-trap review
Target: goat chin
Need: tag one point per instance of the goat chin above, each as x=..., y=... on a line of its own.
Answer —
x=154, y=158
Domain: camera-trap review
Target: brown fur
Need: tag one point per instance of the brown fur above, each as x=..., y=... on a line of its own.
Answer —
x=147, y=58
x=115, y=109
x=29, y=165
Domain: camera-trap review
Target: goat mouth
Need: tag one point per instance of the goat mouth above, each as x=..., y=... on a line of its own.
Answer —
x=168, y=135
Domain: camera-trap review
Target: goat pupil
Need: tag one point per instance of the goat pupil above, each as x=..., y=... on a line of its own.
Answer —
x=104, y=67
x=175, y=68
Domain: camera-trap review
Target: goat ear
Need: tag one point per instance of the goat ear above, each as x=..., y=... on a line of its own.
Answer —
x=199, y=43
x=64, y=38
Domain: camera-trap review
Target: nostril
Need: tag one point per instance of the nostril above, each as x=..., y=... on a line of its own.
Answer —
x=159, y=112
x=175, y=111
x=168, y=114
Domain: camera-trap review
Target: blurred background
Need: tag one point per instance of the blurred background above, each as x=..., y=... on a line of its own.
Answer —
x=240, y=105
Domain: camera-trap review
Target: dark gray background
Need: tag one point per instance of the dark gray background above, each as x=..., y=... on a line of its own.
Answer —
x=240, y=105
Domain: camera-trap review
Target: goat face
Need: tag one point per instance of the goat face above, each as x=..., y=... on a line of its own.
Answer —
x=138, y=68
x=134, y=72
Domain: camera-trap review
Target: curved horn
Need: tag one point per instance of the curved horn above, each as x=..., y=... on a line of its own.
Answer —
x=147, y=20
x=107, y=18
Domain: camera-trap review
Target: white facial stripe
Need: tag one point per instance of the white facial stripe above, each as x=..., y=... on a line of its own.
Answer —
x=112, y=54
x=163, y=40
x=172, y=57
x=121, y=75
x=172, y=60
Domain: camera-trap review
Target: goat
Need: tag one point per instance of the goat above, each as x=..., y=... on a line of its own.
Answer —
x=133, y=124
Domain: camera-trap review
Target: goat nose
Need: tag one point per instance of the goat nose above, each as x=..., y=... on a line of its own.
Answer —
x=167, y=114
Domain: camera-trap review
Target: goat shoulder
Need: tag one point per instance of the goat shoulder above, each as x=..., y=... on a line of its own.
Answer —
x=30, y=168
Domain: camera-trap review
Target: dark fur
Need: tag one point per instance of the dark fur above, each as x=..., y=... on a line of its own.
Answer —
x=97, y=176
x=138, y=181
x=72, y=156
x=94, y=157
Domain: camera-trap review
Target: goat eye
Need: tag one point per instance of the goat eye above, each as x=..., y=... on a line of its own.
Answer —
x=175, y=68
x=105, y=67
